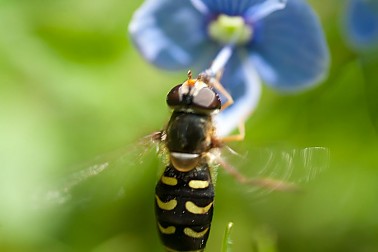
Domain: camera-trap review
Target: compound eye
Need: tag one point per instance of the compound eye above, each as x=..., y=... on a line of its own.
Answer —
x=173, y=97
x=206, y=98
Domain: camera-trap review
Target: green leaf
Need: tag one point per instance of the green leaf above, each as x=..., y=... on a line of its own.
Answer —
x=226, y=244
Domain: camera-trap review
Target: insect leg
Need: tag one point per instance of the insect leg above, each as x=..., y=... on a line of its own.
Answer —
x=215, y=82
x=233, y=138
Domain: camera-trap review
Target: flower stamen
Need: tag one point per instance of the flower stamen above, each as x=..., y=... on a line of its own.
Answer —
x=230, y=30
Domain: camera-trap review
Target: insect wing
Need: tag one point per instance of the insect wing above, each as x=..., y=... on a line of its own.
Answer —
x=107, y=177
x=280, y=169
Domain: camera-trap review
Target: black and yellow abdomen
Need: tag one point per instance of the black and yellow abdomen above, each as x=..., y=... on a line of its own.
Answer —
x=184, y=204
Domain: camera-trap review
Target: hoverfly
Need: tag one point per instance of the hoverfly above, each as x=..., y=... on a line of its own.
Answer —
x=190, y=150
x=185, y=192
x=184, y=195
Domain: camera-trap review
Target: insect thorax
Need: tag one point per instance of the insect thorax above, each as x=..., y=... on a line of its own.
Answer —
x=189, y=133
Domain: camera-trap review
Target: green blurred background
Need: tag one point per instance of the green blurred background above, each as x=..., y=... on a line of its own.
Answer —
x=73, y=89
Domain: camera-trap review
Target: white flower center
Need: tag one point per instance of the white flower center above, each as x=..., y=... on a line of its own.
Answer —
x=230, y=30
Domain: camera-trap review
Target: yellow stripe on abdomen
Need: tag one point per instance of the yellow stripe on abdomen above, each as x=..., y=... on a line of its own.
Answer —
x=167, y=230
x=169, y=180
x=198, y=184
x=170, y=205
x=191, y=233
x=193, y=208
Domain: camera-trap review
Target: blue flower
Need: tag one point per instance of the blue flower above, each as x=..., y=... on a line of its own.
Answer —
x=361, y=24
x=279, y=41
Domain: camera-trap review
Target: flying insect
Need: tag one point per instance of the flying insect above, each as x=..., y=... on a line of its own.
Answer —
x=185, y=192
x=190, y=150
x=184, y=195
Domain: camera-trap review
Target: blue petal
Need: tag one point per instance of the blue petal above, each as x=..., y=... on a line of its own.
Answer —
x=362, y=23
x=230, y=7
x=242, y=82
x=171, y=34
x=289, y=49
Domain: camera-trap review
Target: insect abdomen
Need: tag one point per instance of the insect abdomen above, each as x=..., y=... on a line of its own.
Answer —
x=184, y=208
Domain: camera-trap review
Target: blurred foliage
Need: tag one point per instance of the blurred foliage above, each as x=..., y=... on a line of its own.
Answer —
x=73, y=88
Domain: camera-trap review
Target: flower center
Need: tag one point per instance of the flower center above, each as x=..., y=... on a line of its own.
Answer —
x=230, y=30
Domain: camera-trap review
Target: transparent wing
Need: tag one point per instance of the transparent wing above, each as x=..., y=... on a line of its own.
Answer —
x=264, y=170
x=107, y=177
